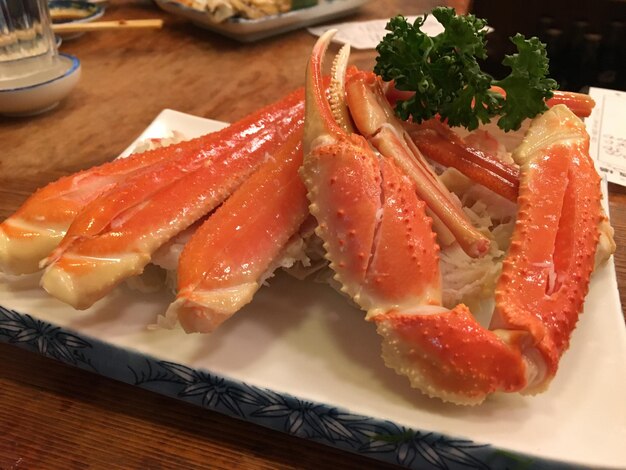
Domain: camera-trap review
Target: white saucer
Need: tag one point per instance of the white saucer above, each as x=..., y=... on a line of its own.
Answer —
x=31, y=99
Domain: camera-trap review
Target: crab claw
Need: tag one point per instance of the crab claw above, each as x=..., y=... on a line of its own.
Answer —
x=545, y=276
x=359, y=99
x=374, y=228
x=541, y=289
x=380, y=245
x=375, y=119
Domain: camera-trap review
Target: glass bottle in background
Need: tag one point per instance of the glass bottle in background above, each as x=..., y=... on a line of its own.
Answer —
x=611, y=57
x=589, y=63
x=555, y=48
x=575, y=54
x=28, y=53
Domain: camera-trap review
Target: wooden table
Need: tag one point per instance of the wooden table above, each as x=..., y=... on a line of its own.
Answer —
x=55, y=416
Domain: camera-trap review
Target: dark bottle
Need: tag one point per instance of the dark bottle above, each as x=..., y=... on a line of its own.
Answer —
x=544, y=24
x=611, y=57
x=555, y=49
x=589, y=62
x=574, y=45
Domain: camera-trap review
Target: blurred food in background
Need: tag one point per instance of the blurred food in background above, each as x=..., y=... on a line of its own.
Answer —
x=221, y=10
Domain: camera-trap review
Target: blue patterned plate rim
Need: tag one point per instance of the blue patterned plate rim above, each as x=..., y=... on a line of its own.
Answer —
x=327, y=424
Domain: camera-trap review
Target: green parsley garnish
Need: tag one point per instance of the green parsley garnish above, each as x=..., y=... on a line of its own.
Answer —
x=444, y=73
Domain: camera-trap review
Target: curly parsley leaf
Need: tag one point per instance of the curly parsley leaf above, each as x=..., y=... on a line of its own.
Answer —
x=526, y=87
x=446, y=77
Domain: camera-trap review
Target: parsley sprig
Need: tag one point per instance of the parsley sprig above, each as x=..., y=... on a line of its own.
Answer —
x=444, y=73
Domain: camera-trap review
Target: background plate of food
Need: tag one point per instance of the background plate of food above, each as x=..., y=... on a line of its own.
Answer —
x=251, y=20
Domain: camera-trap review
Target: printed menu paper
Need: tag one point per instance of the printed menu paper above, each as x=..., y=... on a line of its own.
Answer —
x=607, y=129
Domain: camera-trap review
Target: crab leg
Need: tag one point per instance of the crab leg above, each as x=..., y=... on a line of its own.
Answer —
x=579, y=103
x=234, y=251
x=117, y=234
x=540, y=292
x=40, y=224
x=439, y=143
x=545, y=276
x=448, y=354
x=35, y=229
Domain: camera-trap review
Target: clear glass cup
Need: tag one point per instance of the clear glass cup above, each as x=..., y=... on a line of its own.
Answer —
x=28, y=52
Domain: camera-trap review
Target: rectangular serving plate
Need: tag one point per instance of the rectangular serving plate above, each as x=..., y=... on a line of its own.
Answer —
x=301, y=360
x=245, y=30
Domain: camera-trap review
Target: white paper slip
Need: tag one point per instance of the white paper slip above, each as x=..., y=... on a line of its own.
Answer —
x=367, y=34
x=607, y=129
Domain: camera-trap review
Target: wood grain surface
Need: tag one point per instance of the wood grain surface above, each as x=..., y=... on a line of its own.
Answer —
x=53, y=416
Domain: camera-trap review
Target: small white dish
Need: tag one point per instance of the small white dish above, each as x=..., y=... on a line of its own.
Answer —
x=32, y=99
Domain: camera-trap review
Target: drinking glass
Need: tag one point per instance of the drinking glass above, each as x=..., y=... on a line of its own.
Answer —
x=28, y=50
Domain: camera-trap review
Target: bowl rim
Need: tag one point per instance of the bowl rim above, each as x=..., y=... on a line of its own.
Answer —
x=95, y=9
x=75, y=64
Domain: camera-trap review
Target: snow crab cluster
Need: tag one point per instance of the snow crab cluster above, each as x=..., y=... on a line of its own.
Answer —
x=331, y=169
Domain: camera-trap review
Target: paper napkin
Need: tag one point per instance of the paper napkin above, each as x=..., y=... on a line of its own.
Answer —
x=367, y=34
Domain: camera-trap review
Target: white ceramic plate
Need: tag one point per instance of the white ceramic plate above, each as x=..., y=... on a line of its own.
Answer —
x=252, y=30
x=301, y=360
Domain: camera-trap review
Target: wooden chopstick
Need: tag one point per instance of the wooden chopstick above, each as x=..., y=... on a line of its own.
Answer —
x=106, y=25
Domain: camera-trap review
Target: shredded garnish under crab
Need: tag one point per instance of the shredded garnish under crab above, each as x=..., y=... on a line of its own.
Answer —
x=471, y=280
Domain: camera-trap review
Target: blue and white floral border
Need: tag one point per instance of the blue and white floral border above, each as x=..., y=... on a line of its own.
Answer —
x=383, y=440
